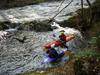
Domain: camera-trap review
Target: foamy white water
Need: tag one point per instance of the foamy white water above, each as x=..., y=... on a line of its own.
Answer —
x=41, y=11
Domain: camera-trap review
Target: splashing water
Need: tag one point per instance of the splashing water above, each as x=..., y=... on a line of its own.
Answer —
x=17, y=57
x=7, y=33
x=42, y=11
x=3, y=34
x=76, y=42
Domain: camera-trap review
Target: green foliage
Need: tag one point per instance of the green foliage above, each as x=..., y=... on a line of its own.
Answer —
x=39, y=1
x=39, y=26
x=2, y=26
x=88, y=54
x=93, y=40
x=98, y=41
x=96, y=3
x=71, y=22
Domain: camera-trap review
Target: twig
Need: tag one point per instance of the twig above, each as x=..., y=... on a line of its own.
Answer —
x=61, y=11
x=60, y=5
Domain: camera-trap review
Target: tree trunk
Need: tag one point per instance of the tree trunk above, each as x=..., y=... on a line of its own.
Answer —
x=89, y=3
x=91, y=16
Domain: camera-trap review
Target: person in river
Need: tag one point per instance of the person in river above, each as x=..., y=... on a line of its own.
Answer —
x=53, y=54
x=62, y=38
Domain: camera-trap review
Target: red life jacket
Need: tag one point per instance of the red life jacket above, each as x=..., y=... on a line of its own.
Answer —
x=58, y=42
x=62, y=37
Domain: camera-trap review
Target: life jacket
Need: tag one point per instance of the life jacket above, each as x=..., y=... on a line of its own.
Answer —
x=62, y=37
x=58, y=42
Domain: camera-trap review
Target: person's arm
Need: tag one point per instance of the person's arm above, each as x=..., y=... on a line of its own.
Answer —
x=69, y=37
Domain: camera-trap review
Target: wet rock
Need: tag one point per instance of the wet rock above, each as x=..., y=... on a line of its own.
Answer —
x=39, y=26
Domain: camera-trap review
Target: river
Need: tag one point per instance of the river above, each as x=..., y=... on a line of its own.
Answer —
x=16, y=57
x=41, y=11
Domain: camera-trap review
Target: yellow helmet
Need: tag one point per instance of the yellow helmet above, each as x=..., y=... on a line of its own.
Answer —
x=62, y=31
x=45, y=49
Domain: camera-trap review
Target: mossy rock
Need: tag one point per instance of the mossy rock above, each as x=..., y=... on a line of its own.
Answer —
x=39, y=26
x=67, y=23
x=39, y=1
x=3, y=26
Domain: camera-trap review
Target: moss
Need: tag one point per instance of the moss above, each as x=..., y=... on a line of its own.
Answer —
x=88, y=53
x=39, y=26
x=68, y=23
x=3, y=26
x=39, y=1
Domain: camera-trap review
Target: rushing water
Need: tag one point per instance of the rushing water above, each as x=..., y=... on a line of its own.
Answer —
x=41, y=11
x=16, y=57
